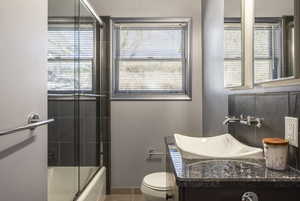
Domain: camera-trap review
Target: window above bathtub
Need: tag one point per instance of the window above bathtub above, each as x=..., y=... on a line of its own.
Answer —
x=151, y=59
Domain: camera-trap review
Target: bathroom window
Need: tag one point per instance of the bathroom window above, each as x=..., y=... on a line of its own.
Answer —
x=267, y=51
x=70, y=70
x=150, y=59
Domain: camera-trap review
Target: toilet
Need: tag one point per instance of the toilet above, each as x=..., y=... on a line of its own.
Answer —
x=154, y=187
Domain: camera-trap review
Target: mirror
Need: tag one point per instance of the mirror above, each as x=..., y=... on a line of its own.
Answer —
x=273, y=40
x=233, y=65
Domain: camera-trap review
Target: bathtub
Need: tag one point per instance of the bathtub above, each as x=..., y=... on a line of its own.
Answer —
x=63, y=184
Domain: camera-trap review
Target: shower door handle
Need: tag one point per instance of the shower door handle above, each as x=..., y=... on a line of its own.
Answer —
x=33, y=122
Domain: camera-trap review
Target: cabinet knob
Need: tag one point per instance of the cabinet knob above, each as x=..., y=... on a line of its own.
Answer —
x=249, y=196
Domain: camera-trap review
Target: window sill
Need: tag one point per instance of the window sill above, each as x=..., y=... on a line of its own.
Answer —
x=281, y=82
x=150, y=97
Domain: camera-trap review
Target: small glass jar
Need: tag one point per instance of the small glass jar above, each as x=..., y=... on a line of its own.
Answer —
x=276, y=153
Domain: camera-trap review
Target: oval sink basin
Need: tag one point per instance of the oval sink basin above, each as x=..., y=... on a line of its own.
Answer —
x=222, y=146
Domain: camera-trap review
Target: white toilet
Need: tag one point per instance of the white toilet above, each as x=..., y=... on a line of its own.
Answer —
x=154, y=187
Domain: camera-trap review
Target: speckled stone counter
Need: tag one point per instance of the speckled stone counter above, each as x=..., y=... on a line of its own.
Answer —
x=226, y=173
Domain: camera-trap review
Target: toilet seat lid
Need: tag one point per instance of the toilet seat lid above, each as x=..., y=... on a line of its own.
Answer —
x=157, y=181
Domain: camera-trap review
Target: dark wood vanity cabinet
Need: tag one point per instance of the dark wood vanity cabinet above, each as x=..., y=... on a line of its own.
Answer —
x=227, y=180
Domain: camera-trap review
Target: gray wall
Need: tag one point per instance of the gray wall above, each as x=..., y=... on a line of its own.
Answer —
x=23, y=87
x=215, y=104
x=137, y=126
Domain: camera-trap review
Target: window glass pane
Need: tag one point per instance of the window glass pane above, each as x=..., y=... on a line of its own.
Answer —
x=61, y=76
x=232, y=55
x=145, y=43
x=150, y=75
x=232, y=73
x=61, y=55
x=232, y=43
x=86, y=42
x=61, y=42
x=263, y=43
x=267, y=50
x=86, y=75
x=263, y=70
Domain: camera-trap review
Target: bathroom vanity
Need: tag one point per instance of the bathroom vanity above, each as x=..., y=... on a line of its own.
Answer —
x=226, y=179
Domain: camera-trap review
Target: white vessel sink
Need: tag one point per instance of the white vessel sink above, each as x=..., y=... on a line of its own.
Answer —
x=223, y=146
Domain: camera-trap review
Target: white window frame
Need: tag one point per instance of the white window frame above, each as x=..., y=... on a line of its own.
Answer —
x=185, y=94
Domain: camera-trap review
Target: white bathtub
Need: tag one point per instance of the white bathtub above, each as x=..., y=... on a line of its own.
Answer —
x=63, y=184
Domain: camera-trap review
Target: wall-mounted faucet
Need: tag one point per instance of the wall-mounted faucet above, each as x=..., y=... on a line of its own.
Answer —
x=229, y=120
x=249, y=120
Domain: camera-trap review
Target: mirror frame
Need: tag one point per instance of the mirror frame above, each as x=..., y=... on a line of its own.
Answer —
x=247, y=30
x=248, y=21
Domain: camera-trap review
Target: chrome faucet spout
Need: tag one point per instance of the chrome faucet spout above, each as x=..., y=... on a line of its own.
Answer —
x=226, y=121
x=229, y=120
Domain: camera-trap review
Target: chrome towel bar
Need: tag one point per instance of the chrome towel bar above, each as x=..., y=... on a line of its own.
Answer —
x=32, y=123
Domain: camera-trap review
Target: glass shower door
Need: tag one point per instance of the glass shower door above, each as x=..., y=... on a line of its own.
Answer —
x=62, y=100
x=89, y=123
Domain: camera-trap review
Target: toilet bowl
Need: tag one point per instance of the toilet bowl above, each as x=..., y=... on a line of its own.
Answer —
x=154, y=187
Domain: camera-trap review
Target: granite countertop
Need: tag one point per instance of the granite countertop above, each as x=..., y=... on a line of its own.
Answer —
x=218, y=172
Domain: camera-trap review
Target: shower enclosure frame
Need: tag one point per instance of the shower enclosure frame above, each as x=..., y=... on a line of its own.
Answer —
x=99, y=94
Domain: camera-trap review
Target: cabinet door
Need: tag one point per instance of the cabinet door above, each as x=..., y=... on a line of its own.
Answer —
x=236, y=194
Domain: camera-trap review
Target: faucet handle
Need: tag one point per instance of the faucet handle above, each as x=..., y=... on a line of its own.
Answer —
x=259, y=122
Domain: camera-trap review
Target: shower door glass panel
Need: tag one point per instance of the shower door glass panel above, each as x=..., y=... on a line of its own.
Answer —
x=89, y=124
x=62, y=61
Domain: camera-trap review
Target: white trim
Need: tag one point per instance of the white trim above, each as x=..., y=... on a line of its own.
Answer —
x=281, y=83
x=248, y=41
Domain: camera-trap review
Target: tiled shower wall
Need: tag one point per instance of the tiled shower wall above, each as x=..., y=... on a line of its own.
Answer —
x=273, y=107
x=61, y=134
